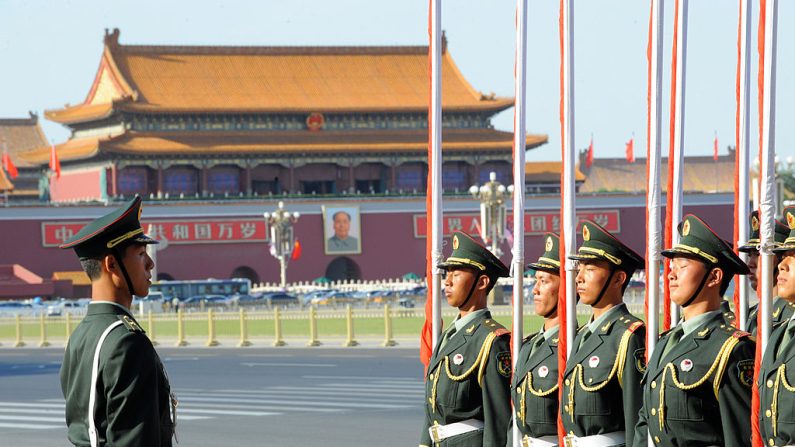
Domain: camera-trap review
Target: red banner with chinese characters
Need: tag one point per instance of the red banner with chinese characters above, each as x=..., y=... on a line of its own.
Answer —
x=190, y=231
x=535, y=223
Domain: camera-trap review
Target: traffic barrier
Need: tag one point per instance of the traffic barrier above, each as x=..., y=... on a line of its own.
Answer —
x=388, y=338
x=43, y=343
x=243, y=330
x=277, y=324
x=180, y=329
x=19, y=343
x=313, y=341
x=211, y=340
x=150, y=323
x=350, y=341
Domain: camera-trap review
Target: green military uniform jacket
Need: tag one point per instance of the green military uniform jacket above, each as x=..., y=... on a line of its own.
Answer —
x=776, y=390
x=534, y=388
x=782, y=311
x=728, y=314
x=132, y=403
x=469, y=378
x=704, y=382
x=602, y=391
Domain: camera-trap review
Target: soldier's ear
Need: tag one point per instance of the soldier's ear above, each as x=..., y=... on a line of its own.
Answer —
x=483, y=282
x=619, y=278
x=715, y=277
x=109, y=263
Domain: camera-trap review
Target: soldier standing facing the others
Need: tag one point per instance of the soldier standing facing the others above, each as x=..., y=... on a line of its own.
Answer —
x=601, y=394
x=535, y=380
x=467, y=389
x=114, y=383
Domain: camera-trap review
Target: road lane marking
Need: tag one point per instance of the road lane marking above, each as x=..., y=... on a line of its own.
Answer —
x=290, y=404
x=31, y=426
x=292, y=365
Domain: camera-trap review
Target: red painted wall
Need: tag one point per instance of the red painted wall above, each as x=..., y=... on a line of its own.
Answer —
x=77, y=186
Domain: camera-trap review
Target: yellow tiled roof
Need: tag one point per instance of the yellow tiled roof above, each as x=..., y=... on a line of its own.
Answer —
x=701, y=174
x=271, y=79
x=5, y=183
x=78, y=278
x=20, y=135
x=549, y=170
x=183, y=143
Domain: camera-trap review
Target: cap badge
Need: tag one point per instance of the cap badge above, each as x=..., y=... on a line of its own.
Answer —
x=548, y=246
x=458, y=359
x=586, y=233
x=593, y=362
x=686, y=365
x=791, y=220
x=455, y=242
x=140, y=208
x=686, y=228
x=754, y=223
x=543, y=371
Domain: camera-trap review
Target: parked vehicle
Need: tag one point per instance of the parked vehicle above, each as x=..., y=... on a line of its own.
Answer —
x=61, y=307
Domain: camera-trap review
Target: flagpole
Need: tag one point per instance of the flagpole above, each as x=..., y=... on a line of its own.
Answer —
x=767, y=169
x=519, y=141
x=678, y=130
x=435, y=163
x=742, y=149
x=568, y=230
x=654, y=189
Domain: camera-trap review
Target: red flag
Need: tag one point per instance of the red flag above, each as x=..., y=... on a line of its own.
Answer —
x=715, y=148
x=631, y=150
x=589, y=157
x=55, y=164
x=296, y=251
x=9, y=166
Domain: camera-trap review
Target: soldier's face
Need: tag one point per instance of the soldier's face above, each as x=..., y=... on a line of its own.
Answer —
x=753, y=262
x=591, y=277
x=139, y=266
x=457, y=284
x=786, y=276
x=684, y=278
x=342, y=225
x=545, y=292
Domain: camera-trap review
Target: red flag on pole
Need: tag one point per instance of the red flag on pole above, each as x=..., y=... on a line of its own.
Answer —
x=589, y=157
x=296, y=251
x=630, y=150
x=55, y=164
x=715, y=148
x=9, y=166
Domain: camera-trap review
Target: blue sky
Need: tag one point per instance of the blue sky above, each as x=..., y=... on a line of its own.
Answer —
x=50, y=51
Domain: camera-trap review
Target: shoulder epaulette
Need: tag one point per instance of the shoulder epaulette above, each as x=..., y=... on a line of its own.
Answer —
x=501, y=331
x=495, y=327
x=738, y=334
x=130, y=324
x=634, y=326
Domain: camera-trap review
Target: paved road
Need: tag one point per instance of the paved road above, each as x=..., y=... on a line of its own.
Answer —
x=243, y=397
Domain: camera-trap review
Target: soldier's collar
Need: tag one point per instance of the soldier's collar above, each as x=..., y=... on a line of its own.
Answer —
x=697, y=323
x=469, y=320
x=604, y=322
x=113, y=303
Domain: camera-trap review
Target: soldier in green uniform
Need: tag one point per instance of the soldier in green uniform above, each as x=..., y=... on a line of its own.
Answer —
x=601, y=395
x=777, y=371
x=782, y=309
x=697, y=387
x=467, y=389
x=113, y=381
x=535, y=379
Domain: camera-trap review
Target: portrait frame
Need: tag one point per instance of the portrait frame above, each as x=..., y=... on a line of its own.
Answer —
x=332, y=244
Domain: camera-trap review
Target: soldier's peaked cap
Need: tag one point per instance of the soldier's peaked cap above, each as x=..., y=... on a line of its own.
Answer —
x=470, y=254
x=116, y=229
x=549, y=261
x=697, y=240
x=599, y=244
x=789, y=242
x=780, y=233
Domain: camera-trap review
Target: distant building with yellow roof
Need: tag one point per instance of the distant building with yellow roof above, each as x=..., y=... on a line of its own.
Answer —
x=199, y=121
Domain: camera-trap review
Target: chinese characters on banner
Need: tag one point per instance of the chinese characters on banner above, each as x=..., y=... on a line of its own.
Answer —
x=534, y=223
x=54, y=234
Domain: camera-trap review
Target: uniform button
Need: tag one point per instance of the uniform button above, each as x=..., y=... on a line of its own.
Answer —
x=571, y=433
x=768, y=413
x=567, y=382
x=518, y=415
x=431, y=376
x=653, y=384
x=771, y=442
x=566, y=408
x=657, y=439
x=653, y=411
x=770, y=384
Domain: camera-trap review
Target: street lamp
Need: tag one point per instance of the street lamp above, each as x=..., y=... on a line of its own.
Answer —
x=282, y=239
x=492, y=196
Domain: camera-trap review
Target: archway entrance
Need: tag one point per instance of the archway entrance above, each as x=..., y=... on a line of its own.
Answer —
x=343, y=268
x=246, y=273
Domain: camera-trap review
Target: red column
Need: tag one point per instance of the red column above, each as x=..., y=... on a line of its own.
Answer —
x=113, y=180
x=160, y=175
